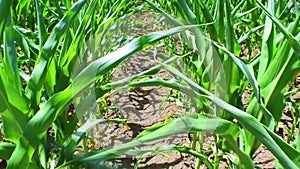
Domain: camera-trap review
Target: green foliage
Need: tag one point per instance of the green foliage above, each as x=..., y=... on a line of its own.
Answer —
x=44, y=71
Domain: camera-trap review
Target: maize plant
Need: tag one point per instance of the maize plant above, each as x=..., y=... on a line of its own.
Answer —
x=54, y=53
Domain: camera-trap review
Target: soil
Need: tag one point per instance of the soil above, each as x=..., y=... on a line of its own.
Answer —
x=144, y=107
x=141, y=107
x=147, y=106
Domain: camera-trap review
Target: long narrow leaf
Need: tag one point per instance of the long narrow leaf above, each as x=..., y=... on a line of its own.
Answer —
x=41, y=24
x=248, y=121
x=6, y=149
x=5, y=10
x=47, y=52
x=39, y=124
x=290, y=38
x=182, y=125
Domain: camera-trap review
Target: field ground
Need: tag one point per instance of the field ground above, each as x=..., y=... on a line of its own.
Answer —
x=147, y=106
x=222, y=82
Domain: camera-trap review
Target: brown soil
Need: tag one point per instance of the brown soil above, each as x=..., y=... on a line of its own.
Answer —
x=144, y=107
x=141, y=107
x=147, y=106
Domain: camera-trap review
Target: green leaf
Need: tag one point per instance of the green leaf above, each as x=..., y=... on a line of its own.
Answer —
x=67, y=61
x=47, y=52
x=240, y=15
x=182, y=125
x=243, y=67
x=38, y=125
x=292, y=153
x=6, y=149
x=14, y=109
x=5, y=11
x=72, y=142
x=41, y=24
x=10, y=56
x=172, y=148
x=294, y=43
x=246, y=120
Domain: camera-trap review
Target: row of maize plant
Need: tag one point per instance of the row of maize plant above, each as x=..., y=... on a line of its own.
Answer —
x=41, y=77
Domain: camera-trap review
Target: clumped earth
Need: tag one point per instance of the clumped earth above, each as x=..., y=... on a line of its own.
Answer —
x=147, y=106
x=144, y=107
